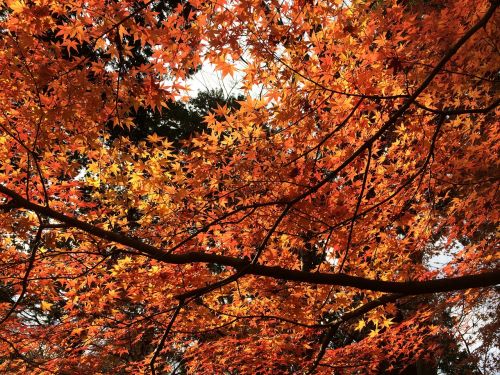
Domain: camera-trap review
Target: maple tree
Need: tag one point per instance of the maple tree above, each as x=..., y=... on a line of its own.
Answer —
x=294, y=233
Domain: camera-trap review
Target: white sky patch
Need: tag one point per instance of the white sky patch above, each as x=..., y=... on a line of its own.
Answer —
x=331, y=256
x=208, y=78
x=443, y=256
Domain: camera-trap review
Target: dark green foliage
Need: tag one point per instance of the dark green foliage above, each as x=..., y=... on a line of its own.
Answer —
x=177, y=122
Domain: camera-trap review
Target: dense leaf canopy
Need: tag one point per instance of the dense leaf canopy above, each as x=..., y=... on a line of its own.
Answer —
x=339, y=218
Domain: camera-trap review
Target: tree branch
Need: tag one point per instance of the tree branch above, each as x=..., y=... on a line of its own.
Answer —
x=24, y=284
x=410, y=287
x=327, y=338
x=164, y=337
x=358, y=204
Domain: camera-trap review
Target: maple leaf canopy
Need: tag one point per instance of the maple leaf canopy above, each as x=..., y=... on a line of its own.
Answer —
x=339, y=218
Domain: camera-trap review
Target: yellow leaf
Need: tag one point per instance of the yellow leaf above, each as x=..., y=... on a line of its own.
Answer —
x=113, y=294
x=154, y=138
x=374, y=332
x=17, y=6
x=114, y=169
x=46, y=306
x=76, y=331
x=361, y=325
x=387, y=323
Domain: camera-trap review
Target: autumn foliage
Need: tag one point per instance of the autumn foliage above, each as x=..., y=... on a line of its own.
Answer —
x=340, y=219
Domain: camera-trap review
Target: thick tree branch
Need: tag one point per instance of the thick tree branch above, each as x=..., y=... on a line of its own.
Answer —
x=410, y=287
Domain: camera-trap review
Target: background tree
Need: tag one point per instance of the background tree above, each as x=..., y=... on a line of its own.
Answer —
x=296, y=226
x=179, y=120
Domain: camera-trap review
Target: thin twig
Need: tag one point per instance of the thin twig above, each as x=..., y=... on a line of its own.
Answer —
x=160, y=345
x=358, y=204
